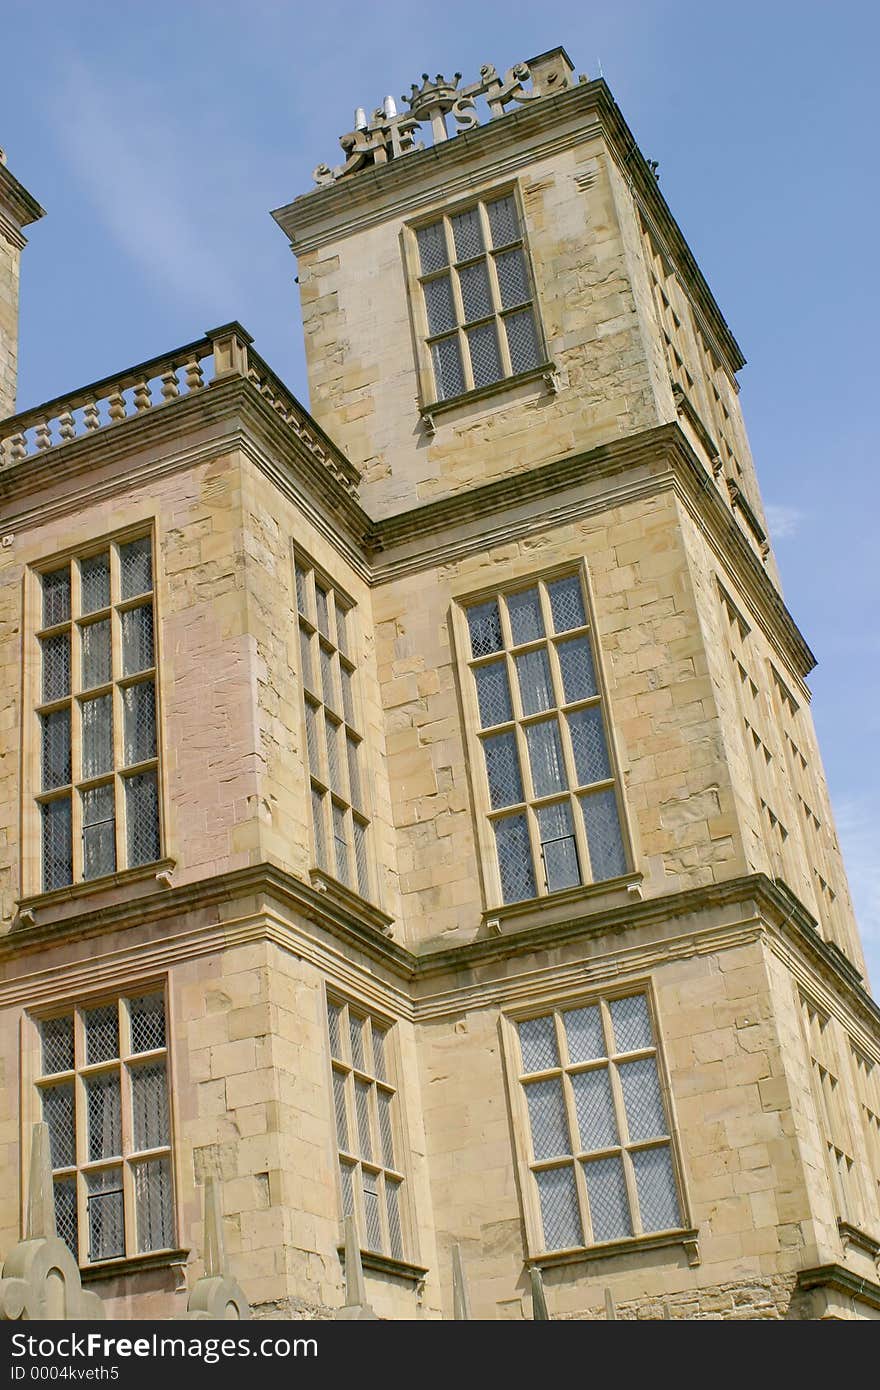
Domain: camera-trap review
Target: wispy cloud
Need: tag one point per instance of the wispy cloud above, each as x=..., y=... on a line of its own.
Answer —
x=858, y=820
x=783, y=521
x=136, y=163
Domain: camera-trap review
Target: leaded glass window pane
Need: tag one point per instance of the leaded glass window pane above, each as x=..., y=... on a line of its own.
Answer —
x=339, y=1111
x=549, y=1125
x=147, y=1020
x=485, y=357
x=354, y=775
x=312, y=740
x=154, y=1212
x=475, y=294
x=323, y=607
x=560, y=1216
x=514, y=858
x=58, y=1116
x=57, y=847
x=642, y=1100
x=56, y=1035
x=526, y=622
x=94, y=579
x=503, y=221
x=537, y=1041
x=302, y=590
x=558, y=847
x=583, y=1033
x=149, y=1105
x=588, y=745
x=545, y=757
x=493, y=694
x=379, y=1052
x=655, y=1184
x=104, y=1110
x=356, y=1037
x=566, y=603
x=385, y=1131
x=95, y=653
x=137, y=639
x=136, y=567
x=432, y=247
x=535, y=687
x=334, y=1019
x=632, y=1023
x=334, y=734
x=522, y=341
x=372, y=1219
x=102, y=1034
x=362, y=1111
x=502, y=770
x=513, y=279
x=99, y=831
x=56, y=666
x=448, y=373
x=139, y=722
x=467, y=234
x=346, y=1178
x=608, y=1202
x=66, y=1221
x=55, y=748
x=576, y=668
x=602, y=824
x=484, y=623
x=360, y=855
x=97, y=736
x=595, y=1109
x=106, y=1221
x=342, y=634
x=395, y=1232
x=56, y=597
x=328, y=684
x=347, y=695
x=318, y=823
x=340, y=842
x=439, y=305
x=142, y=818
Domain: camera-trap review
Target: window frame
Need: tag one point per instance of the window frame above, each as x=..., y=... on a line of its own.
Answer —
x=36, y=1080
x=34, y=796
x=361, y=813
x=331, y=996
x=429, y=396
x=484, y=813
x=554, y=1005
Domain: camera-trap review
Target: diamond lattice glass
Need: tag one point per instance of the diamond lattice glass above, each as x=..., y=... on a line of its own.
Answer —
x=99, y=831
x=545, y=759
x=137, y=639
x=655, y=1184
x=607, y=1198
x=588, y=745
x=104, y=1112
x=549, y=1125
x=526, y=620
x=439, y=305
x=475, y=293
x=502, y=770
x=97, y=736
x=56, y=666
x=66, y=1222
x=584, y=1035
x=535, y=688
x=537, y=1041
x=149, y=1105
x=56, y=1035
x=154, y=1211
x=566, y=603
x=56, y=846
x=595, y=1109
x=56, y=597
x=94, y=579
x=58, y=1115
x=106, y=1223
x=139, y=722
x=102, y=1034
x=642, y=1100
x=432, y=247
x=493, y=694
x=448, y=373
x=513, y=280
x=522, y=342
x=632, y=1023
x=147, y=1020
x=484, y=623
x=142, y=818
x=55, y=749
x=602, y=824
x=503, y=221
x=95, y=652
x=560, y=1215
x=467, y=234
x=576, y=667
x=136, y=568
x=514, y=858
x=485, y=357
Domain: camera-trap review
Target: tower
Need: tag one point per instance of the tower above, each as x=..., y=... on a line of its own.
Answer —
x=17, y=210
x=419, y=827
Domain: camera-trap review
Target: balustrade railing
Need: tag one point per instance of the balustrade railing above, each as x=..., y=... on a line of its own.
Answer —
x=157, y=384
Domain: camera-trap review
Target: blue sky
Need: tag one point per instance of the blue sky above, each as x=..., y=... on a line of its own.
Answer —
x=159, y=139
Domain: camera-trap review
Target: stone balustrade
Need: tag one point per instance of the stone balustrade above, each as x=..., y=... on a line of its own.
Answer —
x=157, y=384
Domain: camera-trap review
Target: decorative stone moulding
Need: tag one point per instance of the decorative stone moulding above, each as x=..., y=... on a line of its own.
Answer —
x=41, y=1279
x=390, y=134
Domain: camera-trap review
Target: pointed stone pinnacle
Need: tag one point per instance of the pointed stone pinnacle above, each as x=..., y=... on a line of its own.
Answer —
x=215, y=1256
x=540, y=1311
x=41, y=1198
x=461, y=1303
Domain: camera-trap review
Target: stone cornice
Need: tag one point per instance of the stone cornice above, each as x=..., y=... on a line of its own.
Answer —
x=841, y=1280
x=501, y=147
x=430, y=977
x=19, y=205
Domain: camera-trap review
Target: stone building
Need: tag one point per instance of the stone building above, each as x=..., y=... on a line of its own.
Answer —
x=412, y=808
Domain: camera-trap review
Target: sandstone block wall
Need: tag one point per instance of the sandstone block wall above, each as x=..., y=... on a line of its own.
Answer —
x=10, y=257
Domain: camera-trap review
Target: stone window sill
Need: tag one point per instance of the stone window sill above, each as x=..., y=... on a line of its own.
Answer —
x=353, y=902
x=28, y=907
x=533, y=910
x=545, y=371
x=133, y=1264
x=630, y=1246
x=386, y=1264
